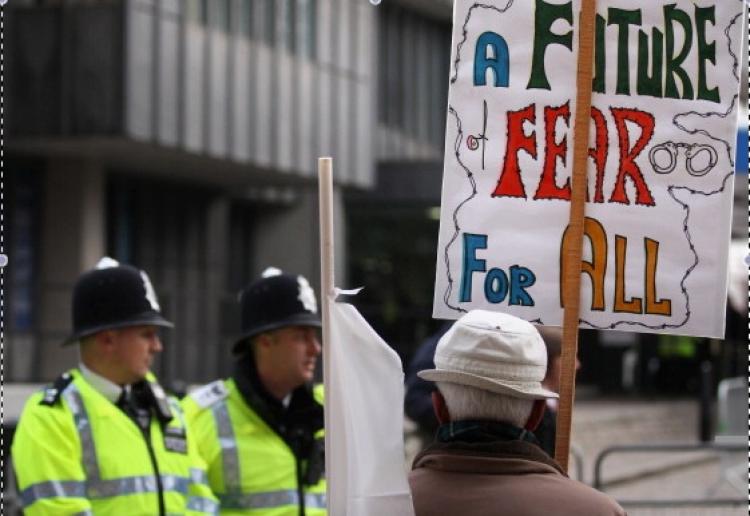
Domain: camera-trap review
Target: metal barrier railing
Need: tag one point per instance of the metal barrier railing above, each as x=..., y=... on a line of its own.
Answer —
x=719, y=447
x=577, y=454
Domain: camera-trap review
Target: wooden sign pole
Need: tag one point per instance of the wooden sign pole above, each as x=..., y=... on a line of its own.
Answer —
x=574, y=243
x=325, y=195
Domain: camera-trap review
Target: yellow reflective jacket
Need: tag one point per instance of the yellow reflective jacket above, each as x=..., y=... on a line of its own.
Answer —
x=251, y=469
x=75, y=452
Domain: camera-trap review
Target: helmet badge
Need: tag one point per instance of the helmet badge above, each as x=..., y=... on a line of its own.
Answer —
x=306, y=295
x=150, y=293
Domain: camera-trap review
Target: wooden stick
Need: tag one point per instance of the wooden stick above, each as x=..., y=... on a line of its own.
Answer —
x=574, y=243
x=325, y=195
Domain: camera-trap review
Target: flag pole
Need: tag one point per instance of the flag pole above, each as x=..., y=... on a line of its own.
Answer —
x=325, y=196
x=572, y=250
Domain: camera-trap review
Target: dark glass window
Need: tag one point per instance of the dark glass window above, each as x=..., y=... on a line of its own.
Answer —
x=246, y=18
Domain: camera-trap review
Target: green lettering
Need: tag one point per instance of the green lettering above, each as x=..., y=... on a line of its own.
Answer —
x=650, y=85
x=706, y=52
x=600, y=56
x=546, y=15
x=623, y=19
x=674, y=63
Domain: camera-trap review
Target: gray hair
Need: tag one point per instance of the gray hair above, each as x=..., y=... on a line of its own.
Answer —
x=465, y=402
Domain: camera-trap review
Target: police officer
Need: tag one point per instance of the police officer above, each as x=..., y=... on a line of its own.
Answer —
x=104, y=438
x=261, y=431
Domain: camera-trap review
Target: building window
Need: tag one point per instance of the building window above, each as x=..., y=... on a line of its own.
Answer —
x=269, y=27
x=290, y=25
x=219, y=15
x=306, y=25
x=413, y=68
x=196, y=11
x=246, y=18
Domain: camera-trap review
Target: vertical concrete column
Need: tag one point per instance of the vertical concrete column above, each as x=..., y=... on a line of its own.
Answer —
x=217, y=236
x=289, y=237
x=72, y=240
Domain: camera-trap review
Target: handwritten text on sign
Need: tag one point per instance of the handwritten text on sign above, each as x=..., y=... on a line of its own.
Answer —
x=659, y=191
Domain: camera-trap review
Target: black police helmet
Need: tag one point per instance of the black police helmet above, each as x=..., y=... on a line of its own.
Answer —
x=275, y=301
x=113, y=296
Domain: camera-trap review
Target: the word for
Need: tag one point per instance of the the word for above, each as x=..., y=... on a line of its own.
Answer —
x=497, y=283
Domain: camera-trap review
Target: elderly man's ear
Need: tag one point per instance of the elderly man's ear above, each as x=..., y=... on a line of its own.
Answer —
x=440, y=408
x=537, y=412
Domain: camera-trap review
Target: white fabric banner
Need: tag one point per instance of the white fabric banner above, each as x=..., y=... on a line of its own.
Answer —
x=660, y=173
x=366, y=421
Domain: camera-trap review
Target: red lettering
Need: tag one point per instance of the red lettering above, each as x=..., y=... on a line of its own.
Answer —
x=628, y=166
x=510, y=184
x=599, y=152
x=548, y=188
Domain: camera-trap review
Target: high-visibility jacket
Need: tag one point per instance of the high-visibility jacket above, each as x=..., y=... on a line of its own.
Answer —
x=251, y=469
x=75, y=452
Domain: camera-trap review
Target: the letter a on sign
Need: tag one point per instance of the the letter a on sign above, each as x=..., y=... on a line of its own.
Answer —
x=492, y=53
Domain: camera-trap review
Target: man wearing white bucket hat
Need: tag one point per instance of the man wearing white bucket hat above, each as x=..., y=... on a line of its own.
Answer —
x=486, y=461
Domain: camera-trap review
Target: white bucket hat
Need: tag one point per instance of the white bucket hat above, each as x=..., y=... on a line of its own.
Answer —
x=495, y=352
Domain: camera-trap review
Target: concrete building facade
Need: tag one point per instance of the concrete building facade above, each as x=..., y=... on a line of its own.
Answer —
x=182, y=136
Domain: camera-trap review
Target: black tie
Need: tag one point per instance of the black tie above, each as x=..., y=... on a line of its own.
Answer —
x=130, y=406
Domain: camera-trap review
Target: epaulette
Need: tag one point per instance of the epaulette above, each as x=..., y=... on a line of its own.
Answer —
x=54, y=390
x=210, y=394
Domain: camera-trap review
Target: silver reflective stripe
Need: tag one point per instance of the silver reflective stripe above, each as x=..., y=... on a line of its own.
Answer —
x=88, y=451
x=175, y=483
x=177, y=409
x=264, y=500
x=84, y=513
x=229, y=456
x=198, y=476
x=136, y=485
x=315, y=500
x=200, y=504
x=53, y=489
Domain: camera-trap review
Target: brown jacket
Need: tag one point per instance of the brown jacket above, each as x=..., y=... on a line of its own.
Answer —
x=511, y=478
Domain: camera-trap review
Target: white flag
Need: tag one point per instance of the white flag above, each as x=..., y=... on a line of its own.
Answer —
x=367, y=476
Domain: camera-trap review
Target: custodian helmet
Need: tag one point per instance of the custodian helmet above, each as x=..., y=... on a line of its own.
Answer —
x=111, y=296
x=274, y=301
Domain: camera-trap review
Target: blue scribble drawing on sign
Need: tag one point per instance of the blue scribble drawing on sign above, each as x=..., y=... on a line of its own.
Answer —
x=492, y=54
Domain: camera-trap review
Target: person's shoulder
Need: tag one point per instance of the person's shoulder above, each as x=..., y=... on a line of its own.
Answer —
x=597, y=503
x=51, y=395
x=206, y=397
x=46, y=407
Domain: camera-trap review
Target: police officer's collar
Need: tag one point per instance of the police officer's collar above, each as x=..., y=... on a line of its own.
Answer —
x=301, y=405
x=250, y=385
x=106, y=388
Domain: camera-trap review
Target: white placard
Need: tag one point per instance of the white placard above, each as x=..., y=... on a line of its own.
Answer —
x=660, y=173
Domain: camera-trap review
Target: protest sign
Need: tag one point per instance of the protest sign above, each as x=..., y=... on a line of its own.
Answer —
x=660, y=169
